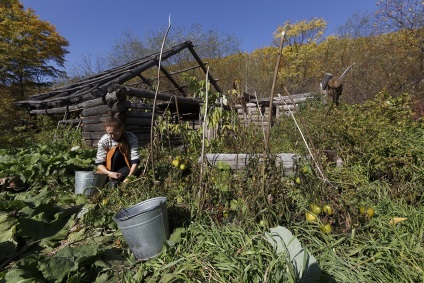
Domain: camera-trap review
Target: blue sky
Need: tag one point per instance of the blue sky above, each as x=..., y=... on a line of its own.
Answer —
x=92, y=27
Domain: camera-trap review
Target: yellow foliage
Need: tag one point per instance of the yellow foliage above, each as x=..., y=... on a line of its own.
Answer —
x=302, y=32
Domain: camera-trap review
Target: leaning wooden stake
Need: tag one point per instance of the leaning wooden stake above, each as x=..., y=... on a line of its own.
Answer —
x=311, y=148
x=267, y=147
x=202, y=155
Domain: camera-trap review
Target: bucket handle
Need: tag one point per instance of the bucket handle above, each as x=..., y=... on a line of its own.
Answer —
x=92, y=182
x=126, y=216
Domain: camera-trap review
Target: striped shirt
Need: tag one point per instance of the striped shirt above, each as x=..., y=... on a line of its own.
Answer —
x=106, y=143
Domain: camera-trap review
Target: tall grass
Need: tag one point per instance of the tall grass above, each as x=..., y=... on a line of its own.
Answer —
x=210, y=253
x=223, y=238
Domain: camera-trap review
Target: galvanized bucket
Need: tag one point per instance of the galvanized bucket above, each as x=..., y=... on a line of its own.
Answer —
x=86, y=182
x=145, y=227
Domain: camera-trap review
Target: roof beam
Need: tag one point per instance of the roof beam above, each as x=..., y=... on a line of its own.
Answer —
x=171, y=79
x=200, y=62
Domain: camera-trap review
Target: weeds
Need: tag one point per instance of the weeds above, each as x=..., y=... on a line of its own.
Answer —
x=222, y=240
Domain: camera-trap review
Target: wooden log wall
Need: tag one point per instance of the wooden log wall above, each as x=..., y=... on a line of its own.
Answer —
x=137, y=116
x=254, y=115
x=258, y=110
x=137, y=121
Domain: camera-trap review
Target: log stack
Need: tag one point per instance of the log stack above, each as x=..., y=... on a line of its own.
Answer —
x=253, y=114
x=257, y=111
x=137, y=116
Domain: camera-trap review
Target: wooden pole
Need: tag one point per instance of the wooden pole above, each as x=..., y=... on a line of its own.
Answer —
x=267, y=147
x=152, y=124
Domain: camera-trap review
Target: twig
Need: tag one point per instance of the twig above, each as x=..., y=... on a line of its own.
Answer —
x=179, y=121
x=277, y=65
x=347, y=69
x=262, y=117
x=312, y=154
x=154, y=102
x=25, y=248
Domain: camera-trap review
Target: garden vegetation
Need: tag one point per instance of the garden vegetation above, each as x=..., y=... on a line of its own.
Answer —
x=362, y=221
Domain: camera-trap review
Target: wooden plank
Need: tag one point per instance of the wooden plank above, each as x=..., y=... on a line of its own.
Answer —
x=138, y=121
x=142, y=136
x=138, y=129
x=94, y=111
x=139, y=114
x=240, y=161
x=95, y=119
x=97, y=135
x=124, y=106
x=91, y=143
x=59, y=110
x=92, y=103
x=92, y=135
x=161, y=96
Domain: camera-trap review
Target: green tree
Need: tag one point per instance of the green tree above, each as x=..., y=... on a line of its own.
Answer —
x=31, y=50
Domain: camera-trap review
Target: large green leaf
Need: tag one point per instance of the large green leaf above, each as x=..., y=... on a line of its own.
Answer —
x=57, y=268
x=8, y=242
x=22, y=276
x=177, y=235
x=304, y=264
x=38, y=227
x=67, y=260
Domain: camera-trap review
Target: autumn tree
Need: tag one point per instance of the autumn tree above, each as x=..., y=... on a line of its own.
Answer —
x=300, y=66
x=406, y=17
x=126, y=49
x=358, y=25
x=210, y=43
x=31, y=51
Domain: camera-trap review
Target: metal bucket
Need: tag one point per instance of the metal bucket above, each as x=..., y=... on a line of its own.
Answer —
x=145, y=227
x=86, y=182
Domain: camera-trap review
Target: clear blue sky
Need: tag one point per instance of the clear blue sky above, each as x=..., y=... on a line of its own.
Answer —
x=92, y=27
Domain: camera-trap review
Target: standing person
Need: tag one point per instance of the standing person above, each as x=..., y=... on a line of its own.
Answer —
x=117, y=152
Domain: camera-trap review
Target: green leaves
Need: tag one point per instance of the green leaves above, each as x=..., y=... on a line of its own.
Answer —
x=42, y=165
x=305, y=264
x=8, y=243
x=54, y=268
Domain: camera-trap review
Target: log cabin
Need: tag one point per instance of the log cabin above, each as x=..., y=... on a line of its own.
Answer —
x=126, y=92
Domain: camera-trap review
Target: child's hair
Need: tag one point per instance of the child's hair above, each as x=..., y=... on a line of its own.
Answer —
x=123, y=140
